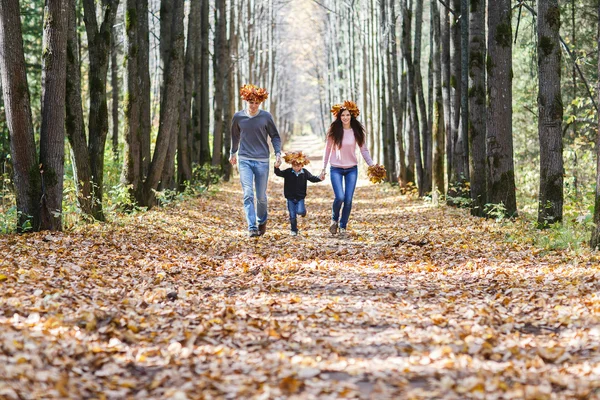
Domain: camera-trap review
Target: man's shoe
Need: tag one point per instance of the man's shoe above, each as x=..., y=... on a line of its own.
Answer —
x=253, y=233
x=294, y=233
x=302, y=215
x=333, y=227
x=343, y=232
x=262, y=228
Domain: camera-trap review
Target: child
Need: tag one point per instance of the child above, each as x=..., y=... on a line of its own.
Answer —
x=294, y=186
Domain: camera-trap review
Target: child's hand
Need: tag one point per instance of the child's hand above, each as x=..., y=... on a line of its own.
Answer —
x=322, y=176
x=278, y=163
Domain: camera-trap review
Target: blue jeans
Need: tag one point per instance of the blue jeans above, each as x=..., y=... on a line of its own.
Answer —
x=343, y=181
x=296, y=207
x=254, y=174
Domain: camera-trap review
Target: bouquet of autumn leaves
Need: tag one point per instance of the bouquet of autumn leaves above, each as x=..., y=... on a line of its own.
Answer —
x=376, y=173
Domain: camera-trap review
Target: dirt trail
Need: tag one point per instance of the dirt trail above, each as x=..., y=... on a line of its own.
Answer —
x=416, y=302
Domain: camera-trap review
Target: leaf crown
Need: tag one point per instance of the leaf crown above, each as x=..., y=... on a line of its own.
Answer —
x=296, y=157
x=251, y=92
x=346, y=105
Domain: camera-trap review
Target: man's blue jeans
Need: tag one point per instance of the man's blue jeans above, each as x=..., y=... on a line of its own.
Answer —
x=296, y=207
x=343, y=181
x=254, y=174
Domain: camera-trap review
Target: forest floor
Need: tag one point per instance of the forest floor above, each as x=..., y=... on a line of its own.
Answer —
x=178, y=303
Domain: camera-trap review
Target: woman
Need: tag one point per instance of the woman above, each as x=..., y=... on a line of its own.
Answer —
x=344, y=134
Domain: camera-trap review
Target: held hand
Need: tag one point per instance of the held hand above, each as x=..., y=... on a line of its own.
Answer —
x=278, y=163
x=233, y=159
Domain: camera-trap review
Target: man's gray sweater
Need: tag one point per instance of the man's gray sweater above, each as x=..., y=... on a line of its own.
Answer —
x=249, y=136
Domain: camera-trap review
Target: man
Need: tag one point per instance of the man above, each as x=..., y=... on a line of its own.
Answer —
x=249, y=145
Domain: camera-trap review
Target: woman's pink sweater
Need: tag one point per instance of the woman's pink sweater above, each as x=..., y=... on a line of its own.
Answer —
x=345, y=157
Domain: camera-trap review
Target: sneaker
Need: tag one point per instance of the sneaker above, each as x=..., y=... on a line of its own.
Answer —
x=253, y=233
x=262, y=228
x=343, y=231
x=333, y=227
x=294, y=233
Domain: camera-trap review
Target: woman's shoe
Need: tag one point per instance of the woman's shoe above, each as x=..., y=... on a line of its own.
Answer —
x=333, y=227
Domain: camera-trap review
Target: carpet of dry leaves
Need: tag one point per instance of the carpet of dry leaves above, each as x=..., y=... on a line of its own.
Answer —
x=178, y=303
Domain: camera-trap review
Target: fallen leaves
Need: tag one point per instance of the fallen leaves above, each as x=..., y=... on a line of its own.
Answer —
x=416, y=302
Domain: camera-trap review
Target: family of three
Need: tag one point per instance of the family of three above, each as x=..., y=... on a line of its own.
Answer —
x=250, y=130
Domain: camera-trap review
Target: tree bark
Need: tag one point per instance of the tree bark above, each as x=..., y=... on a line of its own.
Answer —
x=438, y=186
x=550, y=110
x=425, y=134
x=169, y=109
x=99, y=39
x=52, y=135
x=595, y=238
x=114, y=83
x=15, y=91
x=445, y=71
x=412, y=99
x=205, y=155
x=219, y=65
x=499, y=142
x=184, y=162
x=477, y=109
x=74, y=125
x=401, y=176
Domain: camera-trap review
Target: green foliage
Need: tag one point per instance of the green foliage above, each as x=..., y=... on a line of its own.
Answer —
x=495, y=211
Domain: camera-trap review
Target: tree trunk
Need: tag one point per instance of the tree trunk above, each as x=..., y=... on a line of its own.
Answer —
x=228, y=93
x=412, y=99
x=114, y=83
x=595, y=239
x=52, y=135
x=550, y=110
x=74, y=125
x=456, y=179
x=401, y=176
x=438, y=186
x=445, y=71
x=184, y=162
x=205, y=156
x=425, y=135
x=99, y=39
x=132, y=172
x=143, y=64
x=169, y=110
x=15, y=91
x=499, y=142
x=477, y=106
x=219, y=65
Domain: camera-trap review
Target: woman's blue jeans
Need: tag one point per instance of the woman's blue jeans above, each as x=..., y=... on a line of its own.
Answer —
x=254, y=174
x=343, y=181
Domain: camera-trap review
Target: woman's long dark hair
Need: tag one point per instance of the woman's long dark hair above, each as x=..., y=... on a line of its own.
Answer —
x=336, y=130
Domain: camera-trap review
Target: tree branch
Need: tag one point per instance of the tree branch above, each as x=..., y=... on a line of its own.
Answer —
x=566, y=48
x=446, y=6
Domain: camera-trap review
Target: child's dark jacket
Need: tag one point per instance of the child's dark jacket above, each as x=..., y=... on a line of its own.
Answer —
x=294, y=186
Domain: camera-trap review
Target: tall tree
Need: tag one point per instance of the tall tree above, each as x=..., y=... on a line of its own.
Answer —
x=220, y=78
x=52, y=135
x=184, y=160
x=476, y=106
x=499, y=141
x=75, y=128
x=550, y=110
x=99, y=39
x=438, y=186
x=26, y=174
x=595, y=239
x=169, y=110
x=204, y=85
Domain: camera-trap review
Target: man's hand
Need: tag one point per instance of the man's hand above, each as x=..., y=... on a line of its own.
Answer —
x=233, y=159
x=322, y=176
x=278, y=163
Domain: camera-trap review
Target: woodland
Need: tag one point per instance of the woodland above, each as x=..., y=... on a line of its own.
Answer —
x=471, y=272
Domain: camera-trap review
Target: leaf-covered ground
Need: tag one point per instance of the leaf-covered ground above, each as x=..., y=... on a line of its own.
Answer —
x=416, y=302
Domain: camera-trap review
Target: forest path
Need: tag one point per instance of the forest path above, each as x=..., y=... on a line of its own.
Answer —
x=416, y=302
